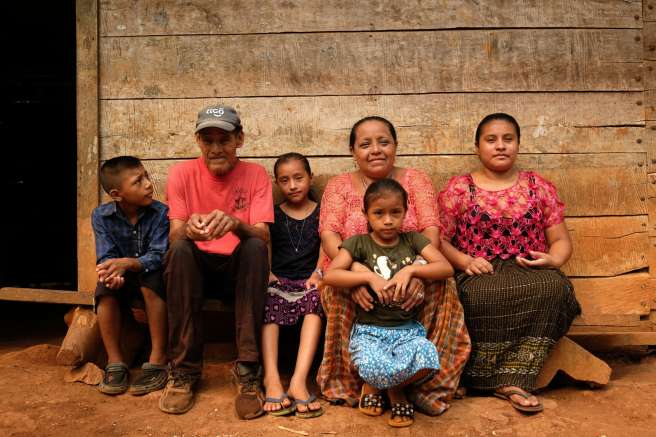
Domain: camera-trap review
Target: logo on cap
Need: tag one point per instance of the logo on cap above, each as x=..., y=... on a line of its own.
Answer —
x=217, y=112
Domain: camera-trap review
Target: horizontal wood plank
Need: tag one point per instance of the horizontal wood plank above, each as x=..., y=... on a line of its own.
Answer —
x=609, y=340
x=46, y=296
x=371, y=63
x=629, y=294
x=167, y=17
x=588, y=184
x=426, y=123
x=608, y=320
x=607, y=246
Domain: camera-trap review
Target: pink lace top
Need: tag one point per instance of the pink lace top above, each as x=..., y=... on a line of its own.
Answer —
x=501, y=223
x=341, y=205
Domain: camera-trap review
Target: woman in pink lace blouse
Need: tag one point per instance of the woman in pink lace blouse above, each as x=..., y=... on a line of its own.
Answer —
x=503, y=231
x=373, y=145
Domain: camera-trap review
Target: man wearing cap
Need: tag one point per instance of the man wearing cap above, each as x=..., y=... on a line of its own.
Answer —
x=219, y=208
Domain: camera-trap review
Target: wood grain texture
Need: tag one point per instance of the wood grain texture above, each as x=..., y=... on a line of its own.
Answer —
x=167, y=17
x=608, y=320
x=604, y=341
x=589, y=184
x=649, y=36
x=579, y=364
x=426, y=123
x=46, y=296
x=371, y=63
x=629, y=294
x=87, y=139
x=607, y=246
x=649, y=10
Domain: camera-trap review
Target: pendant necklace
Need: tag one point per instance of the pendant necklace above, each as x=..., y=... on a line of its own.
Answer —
x=300, y=234
x=366, y=184
x=296, y=246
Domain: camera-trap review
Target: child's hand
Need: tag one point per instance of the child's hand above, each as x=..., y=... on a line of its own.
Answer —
x=115, y=282
x=113, y=267
x=379, y=286
x=314, y=281
x=399, y=284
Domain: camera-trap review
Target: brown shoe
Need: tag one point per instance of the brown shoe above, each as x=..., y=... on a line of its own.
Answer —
x=178, y=396
x=248, y=379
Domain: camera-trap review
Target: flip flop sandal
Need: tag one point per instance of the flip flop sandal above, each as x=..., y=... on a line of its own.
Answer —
x=402, y=409
x=116, y=379
x=370, y=401
x=284, y=411
x=307, y=414
x=153, y=377
x=516, y=405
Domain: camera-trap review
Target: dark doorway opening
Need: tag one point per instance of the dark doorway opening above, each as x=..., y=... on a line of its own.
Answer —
x=38, y=137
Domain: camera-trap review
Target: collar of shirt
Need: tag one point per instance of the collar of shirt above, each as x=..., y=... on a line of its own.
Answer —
x=112, y=208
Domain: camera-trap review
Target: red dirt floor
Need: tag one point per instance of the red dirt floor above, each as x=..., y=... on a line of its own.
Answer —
x=37, y=402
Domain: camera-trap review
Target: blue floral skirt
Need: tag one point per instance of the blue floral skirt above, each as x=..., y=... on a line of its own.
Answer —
x=388, y=356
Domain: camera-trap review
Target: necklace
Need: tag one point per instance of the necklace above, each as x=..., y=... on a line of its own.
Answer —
x=366, y=184
x=300, y=234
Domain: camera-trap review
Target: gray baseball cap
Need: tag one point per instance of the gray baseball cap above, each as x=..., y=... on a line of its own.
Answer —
x=221, y=116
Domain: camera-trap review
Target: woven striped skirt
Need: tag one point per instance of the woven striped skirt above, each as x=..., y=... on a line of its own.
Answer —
x=514, y=316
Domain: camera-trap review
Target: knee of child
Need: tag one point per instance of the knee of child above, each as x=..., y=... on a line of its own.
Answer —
x=149, y=295
x=106, y=302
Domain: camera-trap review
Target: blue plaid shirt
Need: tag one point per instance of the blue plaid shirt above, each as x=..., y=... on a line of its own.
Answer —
x=116, y=237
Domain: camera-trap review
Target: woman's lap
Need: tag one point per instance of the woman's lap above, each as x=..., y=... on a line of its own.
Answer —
x=514, y=316
x=443, y=318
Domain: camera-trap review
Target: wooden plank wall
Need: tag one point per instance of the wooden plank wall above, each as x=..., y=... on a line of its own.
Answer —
x=579, y=77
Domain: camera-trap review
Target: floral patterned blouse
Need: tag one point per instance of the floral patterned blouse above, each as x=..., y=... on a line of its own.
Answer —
x=503, y=223
x=342, y=203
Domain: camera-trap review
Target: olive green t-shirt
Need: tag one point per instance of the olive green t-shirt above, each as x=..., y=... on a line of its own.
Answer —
x=385, y=262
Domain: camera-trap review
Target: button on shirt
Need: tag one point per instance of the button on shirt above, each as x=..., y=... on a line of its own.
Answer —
x=116, y=237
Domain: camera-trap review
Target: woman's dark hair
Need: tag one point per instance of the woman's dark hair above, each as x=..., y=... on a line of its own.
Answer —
x=496, y=116
x=294, y=156
x=357, y=124
x=381, y=187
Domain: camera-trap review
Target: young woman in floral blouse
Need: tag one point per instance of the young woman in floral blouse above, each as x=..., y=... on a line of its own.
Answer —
x=503, y=231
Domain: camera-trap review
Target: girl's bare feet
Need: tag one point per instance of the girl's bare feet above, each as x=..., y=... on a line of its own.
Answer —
x=298, y=390
x=274, y=390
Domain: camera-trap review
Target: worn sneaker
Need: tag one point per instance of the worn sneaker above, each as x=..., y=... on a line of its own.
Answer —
x=153, y=377
x=248, y=379
x=116, y=379
x=178, y=396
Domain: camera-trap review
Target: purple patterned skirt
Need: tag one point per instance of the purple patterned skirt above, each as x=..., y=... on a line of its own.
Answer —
x=288, y=301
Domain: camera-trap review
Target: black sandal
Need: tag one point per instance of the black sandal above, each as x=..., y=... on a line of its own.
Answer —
x=402, y=409
x=370, y=401
x=115, y=380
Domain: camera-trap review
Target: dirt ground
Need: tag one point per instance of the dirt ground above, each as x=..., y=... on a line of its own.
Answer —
x=37, y=401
